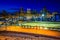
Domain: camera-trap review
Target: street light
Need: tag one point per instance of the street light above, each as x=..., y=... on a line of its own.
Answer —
x=43, y=15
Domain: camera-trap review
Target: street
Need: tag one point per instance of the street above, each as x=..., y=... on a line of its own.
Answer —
x=5, y=35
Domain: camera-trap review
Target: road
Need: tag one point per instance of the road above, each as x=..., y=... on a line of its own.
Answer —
x=45, y=33
x=6, y=35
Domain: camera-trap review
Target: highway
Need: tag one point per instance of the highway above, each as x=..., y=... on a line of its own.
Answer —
x=8, y=35
x=38, y=31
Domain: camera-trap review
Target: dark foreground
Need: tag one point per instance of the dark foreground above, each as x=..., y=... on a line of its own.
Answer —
x=5, y=35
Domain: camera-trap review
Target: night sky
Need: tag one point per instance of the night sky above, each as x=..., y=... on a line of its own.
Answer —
x=51, y=5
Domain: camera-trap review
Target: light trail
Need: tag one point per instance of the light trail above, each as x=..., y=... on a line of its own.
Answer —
x=33, y=31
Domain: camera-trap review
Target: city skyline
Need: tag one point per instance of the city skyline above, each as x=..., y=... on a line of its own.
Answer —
x=51, y=5
x=28, y=9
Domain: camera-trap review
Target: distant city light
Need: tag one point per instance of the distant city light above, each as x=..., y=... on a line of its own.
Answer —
x=45, y=28
x=43, y=15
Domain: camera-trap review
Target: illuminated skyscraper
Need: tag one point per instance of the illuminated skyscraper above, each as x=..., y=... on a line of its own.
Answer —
x=28, y=14
x=44, y=14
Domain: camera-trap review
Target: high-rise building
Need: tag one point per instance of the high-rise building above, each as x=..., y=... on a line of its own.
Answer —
x=57, y=17
x=44, y=14
x=21, y=12
x=28, y=14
